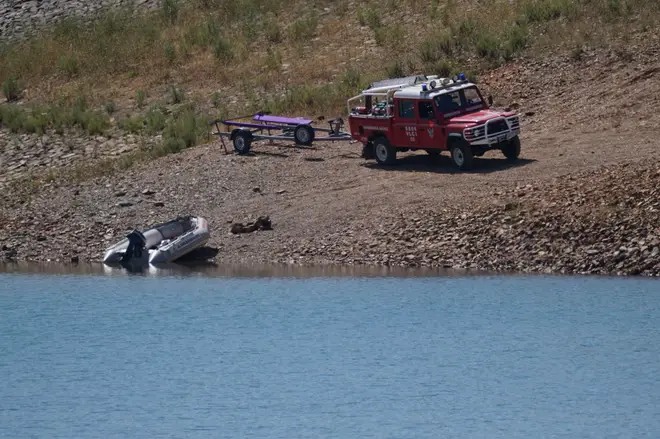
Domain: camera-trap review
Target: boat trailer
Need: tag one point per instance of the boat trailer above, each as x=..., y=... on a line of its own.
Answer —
x=297, y=129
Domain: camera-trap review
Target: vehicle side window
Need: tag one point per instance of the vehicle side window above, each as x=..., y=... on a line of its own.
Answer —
x=426, y=110
x=407, y=109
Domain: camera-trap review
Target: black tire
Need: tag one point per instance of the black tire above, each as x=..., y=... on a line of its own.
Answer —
x=511, y=149
x=384, y=153
x=242, y=141
x=461, y=155
x=303, y=135
x=368, y=151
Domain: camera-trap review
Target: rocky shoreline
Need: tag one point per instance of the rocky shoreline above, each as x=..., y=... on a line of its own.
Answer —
x=604, y=222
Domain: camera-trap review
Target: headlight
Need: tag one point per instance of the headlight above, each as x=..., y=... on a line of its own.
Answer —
x=476, y=132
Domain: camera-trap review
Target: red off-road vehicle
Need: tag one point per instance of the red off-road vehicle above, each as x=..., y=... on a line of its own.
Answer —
x=434, y=114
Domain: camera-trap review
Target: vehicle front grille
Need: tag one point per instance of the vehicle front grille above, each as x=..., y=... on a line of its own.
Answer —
x=515, y=123
x=497, y=127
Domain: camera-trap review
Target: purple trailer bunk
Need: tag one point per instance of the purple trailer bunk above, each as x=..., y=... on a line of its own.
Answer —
x=297, y=129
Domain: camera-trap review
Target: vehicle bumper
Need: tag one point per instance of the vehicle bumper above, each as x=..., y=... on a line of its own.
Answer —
x=495, y=140
x=491, y=135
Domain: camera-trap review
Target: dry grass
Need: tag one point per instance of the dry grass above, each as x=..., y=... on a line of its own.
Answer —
x=252, y=51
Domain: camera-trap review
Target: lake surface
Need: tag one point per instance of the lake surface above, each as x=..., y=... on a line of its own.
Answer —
x=194, y=356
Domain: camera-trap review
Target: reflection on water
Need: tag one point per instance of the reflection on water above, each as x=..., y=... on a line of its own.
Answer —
x=227, y=270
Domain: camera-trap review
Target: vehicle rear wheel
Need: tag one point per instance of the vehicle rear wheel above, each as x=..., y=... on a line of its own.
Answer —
x=461, y=155
x=512, y=149
x=242, y=142
x=304, y=135
x=385, y=154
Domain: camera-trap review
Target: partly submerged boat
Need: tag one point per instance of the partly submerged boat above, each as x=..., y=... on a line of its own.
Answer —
x=160, y=244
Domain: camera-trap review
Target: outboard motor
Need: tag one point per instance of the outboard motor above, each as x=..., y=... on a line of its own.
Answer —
x=136, y=254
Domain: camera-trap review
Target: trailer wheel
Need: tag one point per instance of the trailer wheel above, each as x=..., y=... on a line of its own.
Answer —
x=461, y=155
x=511, y=149
x=304, y=135
x=385, y=154
x=242, y=142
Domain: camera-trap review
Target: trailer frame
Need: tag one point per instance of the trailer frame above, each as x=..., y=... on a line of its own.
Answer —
x=298, y=129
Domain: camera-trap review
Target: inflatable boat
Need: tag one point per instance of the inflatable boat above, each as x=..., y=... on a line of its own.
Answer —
x=160, y=244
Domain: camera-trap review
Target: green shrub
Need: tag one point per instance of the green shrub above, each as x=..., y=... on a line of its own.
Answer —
x=140, y=98
x=36, y=122
x=155, y=120
x=304, y=29
x=487, y=47
x=11, y=88
x=169, y=145
x=352, y=78
x=273, y=32
x=110, y=107
x=94, y=123
x=369, y=17
x=68, y=65
x=547, y=10
x=273, y=59
x=184, y=127
x=170, y=10
x=175, y=95
x=438, y=47
x=132, y=124
x=396, y=69
x=223, y=50
x=515, y=40
x=170, y=52
x=12, y=117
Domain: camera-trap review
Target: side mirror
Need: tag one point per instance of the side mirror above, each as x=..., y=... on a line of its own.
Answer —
x=490, y=100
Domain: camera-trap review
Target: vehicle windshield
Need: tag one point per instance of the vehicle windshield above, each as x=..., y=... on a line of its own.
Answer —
x=459, y=101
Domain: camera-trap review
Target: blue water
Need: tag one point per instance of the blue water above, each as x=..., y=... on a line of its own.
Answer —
x=451, y=357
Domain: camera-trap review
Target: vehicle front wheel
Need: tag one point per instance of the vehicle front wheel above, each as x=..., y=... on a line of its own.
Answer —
x=461, y=155
x=512, y=149
x=384, y=152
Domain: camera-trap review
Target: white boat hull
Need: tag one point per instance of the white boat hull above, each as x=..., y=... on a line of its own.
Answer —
x=164, y=243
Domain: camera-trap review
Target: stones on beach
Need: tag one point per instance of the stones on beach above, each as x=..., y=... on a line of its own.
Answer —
x=9, y=253
x=609, y=226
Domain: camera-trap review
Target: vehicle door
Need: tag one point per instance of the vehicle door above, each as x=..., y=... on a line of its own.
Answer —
x=429, y=131
x=447, y=105
x=405, y=123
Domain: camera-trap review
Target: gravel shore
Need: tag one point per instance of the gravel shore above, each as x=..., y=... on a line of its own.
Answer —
x=601, y=222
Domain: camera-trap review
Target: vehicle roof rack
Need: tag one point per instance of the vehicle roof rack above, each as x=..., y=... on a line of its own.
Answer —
x=396, y=82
